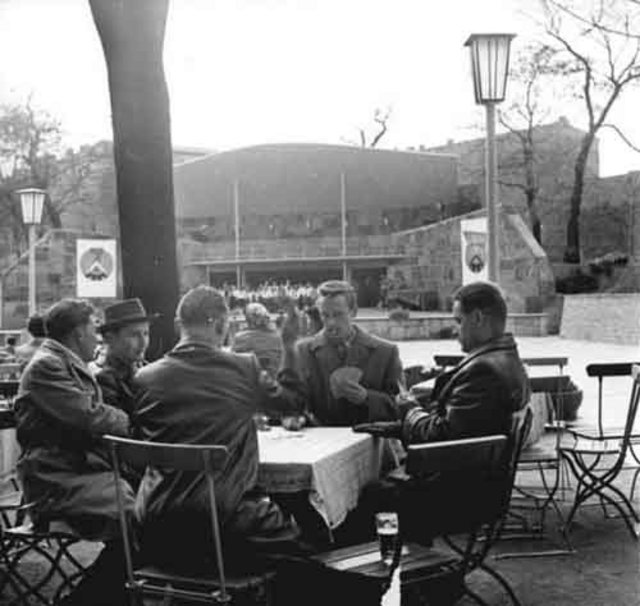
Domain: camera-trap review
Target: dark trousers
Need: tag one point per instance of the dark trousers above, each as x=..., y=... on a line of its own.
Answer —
x=103, y=583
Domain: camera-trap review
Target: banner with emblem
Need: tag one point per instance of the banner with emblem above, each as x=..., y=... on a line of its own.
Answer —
x=96, y=268
x=473, y=236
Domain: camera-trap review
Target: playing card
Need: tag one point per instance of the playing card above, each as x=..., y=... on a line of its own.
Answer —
x=343, y=375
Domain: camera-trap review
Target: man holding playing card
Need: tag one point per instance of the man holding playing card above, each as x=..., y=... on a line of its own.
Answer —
x=349, y=376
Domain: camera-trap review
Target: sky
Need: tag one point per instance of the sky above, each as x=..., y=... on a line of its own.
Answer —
x=245, y=72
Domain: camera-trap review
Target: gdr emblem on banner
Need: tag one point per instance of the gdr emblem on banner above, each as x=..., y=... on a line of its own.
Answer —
x=96, y=264
x=96, y=268
x=473, y=251
x=475, y=254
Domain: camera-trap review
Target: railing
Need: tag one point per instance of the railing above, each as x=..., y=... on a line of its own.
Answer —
x=290, y=249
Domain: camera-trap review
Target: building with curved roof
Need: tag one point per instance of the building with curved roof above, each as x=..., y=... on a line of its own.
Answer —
x=306, y=211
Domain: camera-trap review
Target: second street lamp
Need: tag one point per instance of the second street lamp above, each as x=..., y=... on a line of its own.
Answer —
x=490, y=65
x=32, y=202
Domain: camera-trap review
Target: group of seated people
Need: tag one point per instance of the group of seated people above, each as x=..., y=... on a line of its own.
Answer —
x=199, y=392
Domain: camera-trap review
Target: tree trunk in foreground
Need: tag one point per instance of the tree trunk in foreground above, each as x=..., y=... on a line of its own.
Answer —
x=132, y=36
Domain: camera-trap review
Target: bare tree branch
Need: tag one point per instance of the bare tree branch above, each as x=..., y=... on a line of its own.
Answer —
x=614, y=128
x=608, y=67
x=381, y=119
x=593, y=23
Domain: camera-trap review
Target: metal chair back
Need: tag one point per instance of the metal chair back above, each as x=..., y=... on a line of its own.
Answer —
x=179, y=457
x=455, y=455
x=602, y=370
x=632, y=412
x=596, y=475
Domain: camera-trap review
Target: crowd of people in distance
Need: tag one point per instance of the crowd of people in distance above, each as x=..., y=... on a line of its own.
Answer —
x=204, y=392
x=271, y=294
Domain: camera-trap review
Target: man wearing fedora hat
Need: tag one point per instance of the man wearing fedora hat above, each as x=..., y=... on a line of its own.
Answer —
x=125, y=331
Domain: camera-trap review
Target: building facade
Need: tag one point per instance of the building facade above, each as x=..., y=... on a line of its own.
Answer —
x=306, y=212
x=555, y=148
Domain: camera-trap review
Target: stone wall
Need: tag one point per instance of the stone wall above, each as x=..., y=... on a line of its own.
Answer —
x=433, y=267
x=443, y=326
x=606, y=318
x=432, y=326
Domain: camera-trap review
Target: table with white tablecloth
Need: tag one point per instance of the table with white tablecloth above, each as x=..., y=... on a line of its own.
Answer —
x=9, y=449
x=331, y=464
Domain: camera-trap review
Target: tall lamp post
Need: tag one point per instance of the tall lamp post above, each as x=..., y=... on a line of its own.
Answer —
x=32, y=202
x=490, y=65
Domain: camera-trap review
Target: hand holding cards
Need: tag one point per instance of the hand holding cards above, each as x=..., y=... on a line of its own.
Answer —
x=344, y=382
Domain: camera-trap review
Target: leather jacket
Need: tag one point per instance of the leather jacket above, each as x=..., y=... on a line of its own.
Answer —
x=476, y=398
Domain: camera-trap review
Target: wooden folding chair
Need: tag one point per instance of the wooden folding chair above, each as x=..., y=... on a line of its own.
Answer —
x=425, y=569
x=596, y=460
x=214, y=588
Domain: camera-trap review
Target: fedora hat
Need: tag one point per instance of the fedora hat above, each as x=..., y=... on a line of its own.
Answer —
x=125, y=312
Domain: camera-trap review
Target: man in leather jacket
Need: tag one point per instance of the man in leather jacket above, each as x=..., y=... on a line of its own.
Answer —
x=478, y=396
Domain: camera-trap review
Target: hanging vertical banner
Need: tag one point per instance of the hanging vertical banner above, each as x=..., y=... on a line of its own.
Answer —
x=96, y=268
x=473, y=237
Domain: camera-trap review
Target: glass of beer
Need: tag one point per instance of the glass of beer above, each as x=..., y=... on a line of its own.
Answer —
x=387, y=528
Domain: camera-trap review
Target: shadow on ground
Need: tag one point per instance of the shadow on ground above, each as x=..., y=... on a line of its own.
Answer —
x=604, y=570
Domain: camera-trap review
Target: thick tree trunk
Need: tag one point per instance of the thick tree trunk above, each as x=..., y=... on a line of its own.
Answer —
x=536, y=227
x=132, y=35
x=531, y=191
x=572, y=250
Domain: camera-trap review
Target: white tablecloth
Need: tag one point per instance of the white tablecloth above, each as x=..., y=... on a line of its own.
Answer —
x=9, y=450
x=332, y=463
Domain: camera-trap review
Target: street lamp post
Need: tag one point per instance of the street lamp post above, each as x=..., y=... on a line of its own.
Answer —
x=490, y=65
x=32, y=202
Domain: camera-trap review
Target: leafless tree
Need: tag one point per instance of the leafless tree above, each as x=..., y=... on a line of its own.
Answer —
x=32, y=156
x=527, y=108
x=598, y=55
x=372, y=135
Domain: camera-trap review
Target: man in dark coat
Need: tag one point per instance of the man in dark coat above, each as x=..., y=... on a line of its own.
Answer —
x=60, y=417
x=478, y=396
x=367, y=390
x=201, y=394
x=125, y=331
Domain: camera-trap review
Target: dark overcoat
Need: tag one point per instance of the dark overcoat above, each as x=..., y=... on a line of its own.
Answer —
x=476, y=398
x=116, y=382
x=60, y=417
x=381, y=368
x=198, y=394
